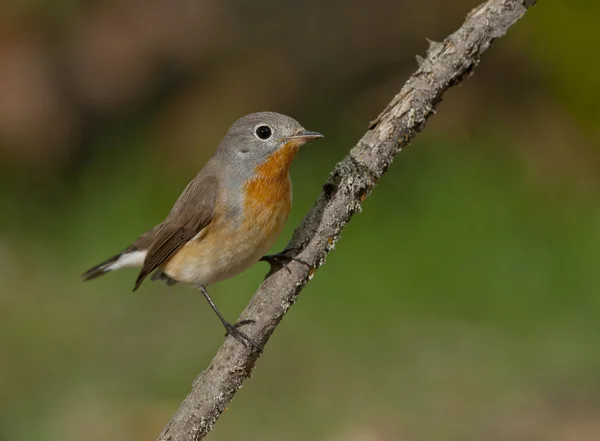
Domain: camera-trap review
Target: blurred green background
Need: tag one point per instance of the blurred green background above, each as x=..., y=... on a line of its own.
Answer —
x=462, y=304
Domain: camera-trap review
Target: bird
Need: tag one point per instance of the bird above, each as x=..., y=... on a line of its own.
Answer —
x=227, y=217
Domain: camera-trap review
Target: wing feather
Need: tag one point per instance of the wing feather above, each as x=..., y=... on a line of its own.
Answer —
x=193, y=211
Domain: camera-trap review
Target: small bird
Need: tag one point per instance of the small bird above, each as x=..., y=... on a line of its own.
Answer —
x=228, y=216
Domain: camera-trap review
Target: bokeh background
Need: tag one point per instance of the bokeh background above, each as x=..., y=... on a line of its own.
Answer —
x=462, y=304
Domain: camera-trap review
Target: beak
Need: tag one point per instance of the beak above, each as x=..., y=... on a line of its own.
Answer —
x=305, y=135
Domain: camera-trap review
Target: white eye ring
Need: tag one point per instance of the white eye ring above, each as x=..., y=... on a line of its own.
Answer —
x=263, y=132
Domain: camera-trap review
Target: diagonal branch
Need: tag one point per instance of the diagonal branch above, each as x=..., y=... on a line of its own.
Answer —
x=447, y=64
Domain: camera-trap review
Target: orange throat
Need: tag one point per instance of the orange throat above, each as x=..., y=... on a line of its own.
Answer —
x=271, y=184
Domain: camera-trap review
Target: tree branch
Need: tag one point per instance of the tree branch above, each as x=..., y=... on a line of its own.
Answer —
x=447, y=64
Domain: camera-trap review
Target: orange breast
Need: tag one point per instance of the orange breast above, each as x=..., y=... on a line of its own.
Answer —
x=224, y=251
x=270, y=190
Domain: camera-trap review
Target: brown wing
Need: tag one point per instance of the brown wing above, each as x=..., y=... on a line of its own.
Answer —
x=192, y=212
x=143, y=242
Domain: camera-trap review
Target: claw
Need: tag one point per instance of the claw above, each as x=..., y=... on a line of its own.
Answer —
x=231, y=329
x=283, y=259
x=244, y=323
x=239, y=335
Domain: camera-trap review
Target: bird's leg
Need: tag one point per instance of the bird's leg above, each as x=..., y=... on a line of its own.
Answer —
x=282, y=259
x=231, y=329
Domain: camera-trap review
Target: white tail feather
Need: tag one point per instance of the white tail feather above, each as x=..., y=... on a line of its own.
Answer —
x=128, y=260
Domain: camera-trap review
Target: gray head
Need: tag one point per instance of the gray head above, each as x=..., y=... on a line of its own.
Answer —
x=252, y=139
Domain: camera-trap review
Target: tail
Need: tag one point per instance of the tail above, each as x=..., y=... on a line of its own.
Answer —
x=101, y=269
x=130, y=258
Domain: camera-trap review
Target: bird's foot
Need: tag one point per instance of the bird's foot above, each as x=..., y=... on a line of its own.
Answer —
x=282, y=259
x=234, y=331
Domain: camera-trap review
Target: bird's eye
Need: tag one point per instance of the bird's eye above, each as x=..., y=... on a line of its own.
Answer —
x=263, y=132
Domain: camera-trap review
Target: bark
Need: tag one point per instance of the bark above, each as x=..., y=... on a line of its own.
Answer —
x=446, y=64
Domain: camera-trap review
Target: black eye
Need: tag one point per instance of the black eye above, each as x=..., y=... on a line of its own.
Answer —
x=263, y=132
